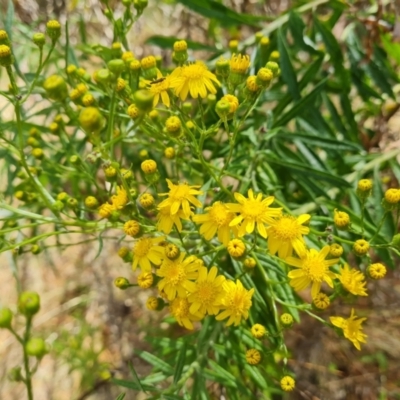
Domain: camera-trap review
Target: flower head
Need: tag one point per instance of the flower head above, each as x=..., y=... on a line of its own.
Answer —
x=312, y=268
x=341, y=219
x=236, y=248
x=361, y=247
x=119, y=200
x=178, y=276
x=258, y=331
x=286, y=233
x=253, y=356
x=145, y=280
x=180, y=195
x=206, y=296
x=336, y=250
x=159, y=88
x=146, y=251
x=166, y=221
x=253, y=210
x=195, y=79
x=352, y=280
x=287, y=383
x=376, y=271
x=236, y=302
x=180, y=309
x=321, y=301
x=215, y=221
x=351, y=327
x=239, y=63
x=392, y=196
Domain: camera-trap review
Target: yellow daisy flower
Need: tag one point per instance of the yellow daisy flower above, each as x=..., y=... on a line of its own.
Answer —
x=120, y=200
x=208, y=292
x=351, y=327
x=312, y=268
x=253, y=210
x=179, y=308
x=166, y=221
x=286, y=233
x=216, y=220
x=352, y=280
x=146, y=251
x=178, y=276
x=159, y=88
x=180, y=195
x=236, y=303
x=194, y=78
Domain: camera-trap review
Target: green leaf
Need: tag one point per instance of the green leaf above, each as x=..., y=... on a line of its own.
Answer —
x=301, y=106
x=310, y=172
x=288, y=72
x=121, y=396
x=133, y=385
x=156, y=362
x=135, y=375
x=225, y=15
x=220, y=374
x=167, y=42
x=8, y=23
x=180, y=364
x=318, y=141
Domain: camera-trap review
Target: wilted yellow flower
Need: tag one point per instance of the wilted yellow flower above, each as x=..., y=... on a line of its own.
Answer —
x=352, y=280
x=239, y=63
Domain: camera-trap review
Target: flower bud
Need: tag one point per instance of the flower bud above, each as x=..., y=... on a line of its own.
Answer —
x=15, y=375
x=155, y=303
x=172, y=251
x=146, y=200
x=55, y=87
x=274, y=56
x=376, y=271
x=35, y=249
x=250, y=263
x=149, y=67
x=28, y=303
x=233, y=46
x=4, y=39
x=53, y=30
x=274, y=67
x=102, y=76
x=91, y=120
x=116, y=49
x=6, y=58
x=140, y=5
x=57, y=205
x=364, y=188
x=36, y=347
x=39, y=39
x=286, y=320
x=361, y=247
x=116, y=66
x=122, y=283
x=6, y=317
x=143, y=100
x=173, y=126
x=341, y=219
x=133, y=111
x=236, y=248
x=91, y=202
x=149, y=166
x=264, y=77
x=169, y=152
x=222, y=109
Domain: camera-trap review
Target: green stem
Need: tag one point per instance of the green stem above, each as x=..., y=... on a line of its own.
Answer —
x=28, y=377
x=380, y=225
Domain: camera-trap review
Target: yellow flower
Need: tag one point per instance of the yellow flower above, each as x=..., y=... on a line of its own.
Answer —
x=250, y=262
x=258, y=331
x=364, y=185
x=105, y=210
x=178, y=276
x=321, y=301
x=194, y=78
x=351, y=327
x=392, y=196
x=132, y=228
x=180, y=195
x=145, y=280
x=312, y=268
x=376, y=271
x=236, y=303
x=146, y=200
x=253, y=356
x=148, y=166
x=361, y=247
x=286, y=320
x=233, y=101
x=120, y=200
x=352, y=280
x=179, y=308
x=147, y=251
x=236, y=248
x=207, y=294
x=239, y=63
x=159, y=88
x=286, y=234
x=216, y=220
x=166, y=221
x=253, y=210
x=153, y=303
x=287, y=383
x=341, y=219
x=336, y=250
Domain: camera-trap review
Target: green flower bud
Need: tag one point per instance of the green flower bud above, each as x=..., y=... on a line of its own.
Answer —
x=222, y=68
x=28, y=303
x=35, y=249
x=116, y=66
x=4, y=39
x=39, y=39
x=102, y=76
x=121, y=283
x=274, y=67
x=396, y=241
x=6, y=317
x=14, y=375
x=53, y=30
x=222, y=108
x=143, y=100
x=6, y=58
x=55, y=87
x=58, y=205
x=36, y=347
x=91, y=120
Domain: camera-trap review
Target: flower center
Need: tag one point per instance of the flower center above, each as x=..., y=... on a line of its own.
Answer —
x=179, y=192
x=315, y=269
x=194, y=71
x=174, y=273
x=252, y=209
x=219, y=215
x=206, y=293
x=142, y=247
x=286, y=228
x=180, y=308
